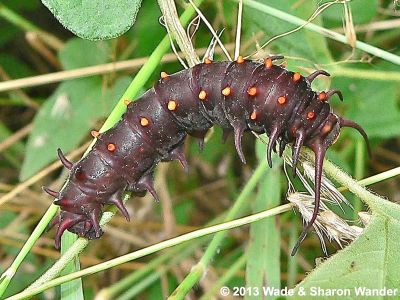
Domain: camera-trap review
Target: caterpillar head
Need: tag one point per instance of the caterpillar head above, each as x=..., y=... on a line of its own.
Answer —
x=84, y=225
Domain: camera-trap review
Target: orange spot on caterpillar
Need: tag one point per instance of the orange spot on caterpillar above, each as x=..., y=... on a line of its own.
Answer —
x=207, y=61
x=226, y=91
x=296, y=76
x=282, y=100
x=322, y=96
x=268, y=63
x=94, y=133
x=240, y=59
x=126, y=102
x=171, y=105
x=310, y=115
x=252, y=91
x=164, y=75
x=144, y=122
x=202, y=95
x=111, y=147
x=253, y=115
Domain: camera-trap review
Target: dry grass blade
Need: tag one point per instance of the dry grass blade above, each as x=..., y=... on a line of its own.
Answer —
x=54, y=166
x=18, y=135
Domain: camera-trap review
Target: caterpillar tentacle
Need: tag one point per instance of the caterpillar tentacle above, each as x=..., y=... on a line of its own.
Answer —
x=238, y=96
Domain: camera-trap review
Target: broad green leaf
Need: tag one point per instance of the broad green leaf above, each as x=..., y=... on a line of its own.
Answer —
x=263, y=252
x=317, y=42
x=363, y=11
x=371, y=261
x=374, y=108
x=78, y=53
x=95, y=19
x=71, y=290
x=66, y=118
x=293, y=44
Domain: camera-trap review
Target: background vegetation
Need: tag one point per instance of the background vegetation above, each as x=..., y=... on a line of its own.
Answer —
x=42, y=113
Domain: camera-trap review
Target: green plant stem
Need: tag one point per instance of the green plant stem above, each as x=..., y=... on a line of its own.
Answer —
x=27, y=26
x=366, y=74
x=182, y=251
x=376, y=178
x=325, y=32
x=154, y=248
x=233, y=269
x=112, y=291
x=334, y=172
x=197, y=271
x=7, y=276
x=16, y=19
x=359, y=170
x=115, y=289
x=144, y=283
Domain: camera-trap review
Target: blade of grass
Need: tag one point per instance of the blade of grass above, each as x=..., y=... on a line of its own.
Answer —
x=25, y=25
x=7, y=276
x=71, y=290
x=264, y=270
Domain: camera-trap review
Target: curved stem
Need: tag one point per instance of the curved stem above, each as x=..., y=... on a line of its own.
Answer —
x=154, y=248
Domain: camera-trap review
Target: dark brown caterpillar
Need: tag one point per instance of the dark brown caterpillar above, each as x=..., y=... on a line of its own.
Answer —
x=240, y=96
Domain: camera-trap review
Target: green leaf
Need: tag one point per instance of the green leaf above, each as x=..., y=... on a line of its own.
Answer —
x=71, y=55
x=363, y=11
x=371, y=261
x=73, y=289
x=66, y=117
x=264, y=270
x=374, y=108
x=301, y=44
x=95, y=19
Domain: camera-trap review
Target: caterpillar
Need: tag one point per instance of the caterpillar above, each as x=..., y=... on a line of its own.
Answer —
x=238, y=96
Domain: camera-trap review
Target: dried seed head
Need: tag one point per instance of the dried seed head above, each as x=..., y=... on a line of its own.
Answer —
x=328, y=223
x=328, y=189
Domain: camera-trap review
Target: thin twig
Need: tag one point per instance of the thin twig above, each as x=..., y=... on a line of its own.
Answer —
x=374, y=26
x=238, y=29
x=24, y=97
x=84, y=72
x=20, y=134
x=176, y=30
x=54, y=166
x=215, y=35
